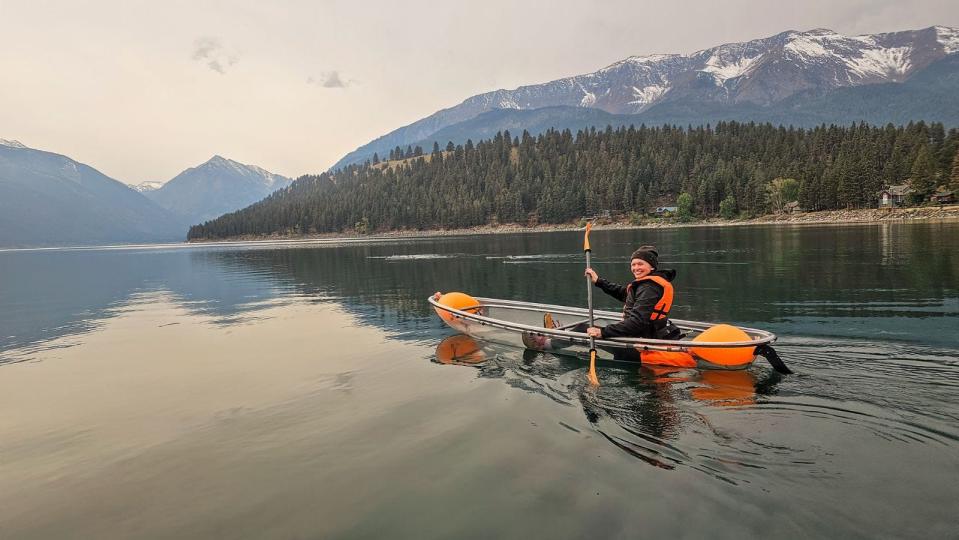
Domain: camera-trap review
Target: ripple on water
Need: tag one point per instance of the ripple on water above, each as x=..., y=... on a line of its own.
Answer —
x=746, y=427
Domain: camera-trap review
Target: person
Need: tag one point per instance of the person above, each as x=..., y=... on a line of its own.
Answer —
x=647, y=300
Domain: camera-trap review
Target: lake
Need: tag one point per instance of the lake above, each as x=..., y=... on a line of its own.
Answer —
x=307, y=390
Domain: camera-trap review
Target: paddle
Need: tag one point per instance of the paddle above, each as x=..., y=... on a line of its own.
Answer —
x=593, y=379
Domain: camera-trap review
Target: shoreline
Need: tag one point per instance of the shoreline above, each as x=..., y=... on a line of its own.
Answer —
x=825, y=217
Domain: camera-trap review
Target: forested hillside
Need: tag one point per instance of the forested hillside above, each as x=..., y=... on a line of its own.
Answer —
x=558, y=177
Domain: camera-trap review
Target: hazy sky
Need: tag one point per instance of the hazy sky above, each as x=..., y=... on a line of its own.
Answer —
x=143, y=90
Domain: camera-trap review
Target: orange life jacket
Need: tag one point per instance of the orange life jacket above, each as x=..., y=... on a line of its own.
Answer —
x=662, y=307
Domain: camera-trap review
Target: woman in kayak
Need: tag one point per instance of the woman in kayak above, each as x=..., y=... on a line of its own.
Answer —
x=647, y=300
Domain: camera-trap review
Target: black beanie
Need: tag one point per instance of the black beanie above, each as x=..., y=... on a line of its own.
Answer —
x=648, y=254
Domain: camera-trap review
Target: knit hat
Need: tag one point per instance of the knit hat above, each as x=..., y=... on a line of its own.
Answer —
x=648, y=254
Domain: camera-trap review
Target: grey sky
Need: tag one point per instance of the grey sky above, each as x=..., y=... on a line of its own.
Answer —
x=142, y=90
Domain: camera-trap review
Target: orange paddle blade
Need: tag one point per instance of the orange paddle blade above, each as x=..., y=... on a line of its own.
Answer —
x=589, y=225
x=593, y=379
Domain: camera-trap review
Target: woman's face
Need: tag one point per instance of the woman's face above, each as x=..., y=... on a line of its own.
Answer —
x=639, y=268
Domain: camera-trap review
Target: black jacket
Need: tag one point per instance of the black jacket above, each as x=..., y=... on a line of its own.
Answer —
x=640, y=301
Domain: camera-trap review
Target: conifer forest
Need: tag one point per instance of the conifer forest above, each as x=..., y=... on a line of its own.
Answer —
x=556, y=177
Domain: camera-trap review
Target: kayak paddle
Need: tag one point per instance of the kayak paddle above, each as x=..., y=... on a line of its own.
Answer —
x=593, y=379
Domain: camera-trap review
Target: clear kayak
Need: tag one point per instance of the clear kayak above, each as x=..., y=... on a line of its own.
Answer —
x=521, y=324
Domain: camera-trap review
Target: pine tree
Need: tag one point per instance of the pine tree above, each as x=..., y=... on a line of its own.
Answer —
x=923, y=181
x=727, y=208
x=954, y=179
x=684, y=207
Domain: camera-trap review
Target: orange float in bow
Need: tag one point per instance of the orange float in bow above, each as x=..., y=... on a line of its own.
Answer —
x=459, y=301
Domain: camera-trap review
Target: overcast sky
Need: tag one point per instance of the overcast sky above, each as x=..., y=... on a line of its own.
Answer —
x=142, y=90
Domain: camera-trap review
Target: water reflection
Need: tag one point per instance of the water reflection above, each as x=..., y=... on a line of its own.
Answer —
x=643, y=411
x=887, y=281
x=296, y=377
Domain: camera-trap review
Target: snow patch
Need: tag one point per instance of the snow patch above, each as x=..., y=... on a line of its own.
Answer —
x=260, y=175
x=648, y=94
x=147, y=186
x=807, y=47
x=722, y=70
x=12, y=143
x=949, y=38
x=507, y=102
x=648, y=62
x=589, y=99
x=891, y=62
x=649, y=59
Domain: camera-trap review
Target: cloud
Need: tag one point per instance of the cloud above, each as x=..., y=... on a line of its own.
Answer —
x=209, y=51
x=330, y=79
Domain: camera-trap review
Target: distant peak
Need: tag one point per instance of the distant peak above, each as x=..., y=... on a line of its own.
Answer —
x=242, y=168
x=12, y=143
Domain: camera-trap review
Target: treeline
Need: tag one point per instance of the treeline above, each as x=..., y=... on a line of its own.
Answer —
x=559, y=177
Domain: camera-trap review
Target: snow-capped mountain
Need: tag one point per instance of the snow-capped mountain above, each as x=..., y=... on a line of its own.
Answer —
x=11, y=144
x=761, y=72
x=143, y=187
x=49, y=199
x=214, y=188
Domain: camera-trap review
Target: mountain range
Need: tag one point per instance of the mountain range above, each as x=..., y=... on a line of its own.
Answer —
x=798, y=78
x=48, y=199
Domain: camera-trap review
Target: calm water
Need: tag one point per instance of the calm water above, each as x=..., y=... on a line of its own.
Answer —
x=307, y=390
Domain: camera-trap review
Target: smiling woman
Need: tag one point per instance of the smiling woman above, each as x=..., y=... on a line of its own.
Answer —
x=647, y=299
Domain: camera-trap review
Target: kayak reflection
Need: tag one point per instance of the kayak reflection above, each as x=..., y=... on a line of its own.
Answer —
x=460, y=350
x=716, y=387
x=655, y=414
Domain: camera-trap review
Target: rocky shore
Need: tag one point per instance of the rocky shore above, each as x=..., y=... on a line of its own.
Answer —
x=870, y=215
x=835, y=217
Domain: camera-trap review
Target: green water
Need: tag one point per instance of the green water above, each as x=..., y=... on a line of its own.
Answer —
x=304, y=390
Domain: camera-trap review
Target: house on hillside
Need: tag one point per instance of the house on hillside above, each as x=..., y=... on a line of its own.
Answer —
x=792, y=207
x=943, y=197
x=894, y=196
x=599, y=215
x=663, y=210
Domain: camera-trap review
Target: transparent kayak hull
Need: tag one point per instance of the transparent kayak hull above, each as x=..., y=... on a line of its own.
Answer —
x=520, y=324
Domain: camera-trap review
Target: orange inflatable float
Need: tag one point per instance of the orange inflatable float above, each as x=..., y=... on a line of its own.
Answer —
x=731, y=358
x=459, y=301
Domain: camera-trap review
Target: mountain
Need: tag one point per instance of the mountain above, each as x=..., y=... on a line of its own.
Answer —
x=47, y=199
x=929, y=95
x=214, y=188
x=775, y=76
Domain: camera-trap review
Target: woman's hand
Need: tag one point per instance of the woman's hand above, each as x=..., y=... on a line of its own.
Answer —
x=437, y=295
x=592, y=275
x=594, y=331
